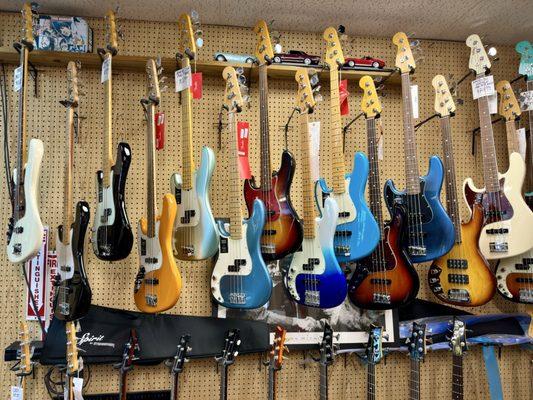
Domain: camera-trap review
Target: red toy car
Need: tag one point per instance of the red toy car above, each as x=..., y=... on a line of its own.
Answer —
x=366, y=61
x=296, y=57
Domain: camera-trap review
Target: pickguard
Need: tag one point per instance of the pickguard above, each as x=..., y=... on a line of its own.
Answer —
x=150, y=254
x=188, y=207
x=65, y=259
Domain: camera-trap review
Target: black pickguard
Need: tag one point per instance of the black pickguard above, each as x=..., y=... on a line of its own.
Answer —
x=408, y=201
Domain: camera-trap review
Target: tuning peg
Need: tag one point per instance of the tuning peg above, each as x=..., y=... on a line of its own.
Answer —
x=415, y=44
x=120, y=33
x=195, y=17
x=162, y=80
x=380, y=88
x=164, y=89
x=410, y=34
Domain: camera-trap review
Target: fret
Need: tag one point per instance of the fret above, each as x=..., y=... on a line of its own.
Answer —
x=266, y=171
x=371, y=382
x=108, y=124
x=323, y=381
x=186, y=133
x=512, y=137
x=308, y=186
x=235, y=205
x=339, y=170
x=67, y=207
x=374, y=187
x=411, y=162
x=272, y=376
x=414, y=381
x=150, y=165
x=457, y=378
x=452, y=204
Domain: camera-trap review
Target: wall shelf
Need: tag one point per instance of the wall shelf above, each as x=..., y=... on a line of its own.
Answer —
x=8, y=55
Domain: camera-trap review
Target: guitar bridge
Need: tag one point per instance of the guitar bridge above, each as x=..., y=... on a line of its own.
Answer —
x=459, y=295
x=268, y=248
x=342, y=251
x=417, y=250
x=151, y=300
x=525, y=295
x=64, y=308
x=188, y=250
x=312, y=298
x=498, y=247
x=381, y=298
x=237, y=298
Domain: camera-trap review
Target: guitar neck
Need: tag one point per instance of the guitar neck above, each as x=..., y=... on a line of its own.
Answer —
x=108, y=123
x=452, y=204
x=175, y=386
x=373, y=176
x=336, y=137
x=530, y=144
x=323, y=381
x=308, y=187
x=457, y=378
x=123, y=387
x=266, y=171
x=67, y=207
x=512, y=137
x=186, y=132
x=224, y=382
x=235, y=205
x=150, y=173
x=414, y=380
x=371, y=382
x=411, y=161
x=272, y=376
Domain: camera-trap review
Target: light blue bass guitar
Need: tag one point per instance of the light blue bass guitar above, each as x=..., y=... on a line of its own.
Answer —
x=357, y=231
x=240, y=277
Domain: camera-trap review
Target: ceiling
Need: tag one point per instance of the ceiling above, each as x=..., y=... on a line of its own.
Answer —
x=506, y=22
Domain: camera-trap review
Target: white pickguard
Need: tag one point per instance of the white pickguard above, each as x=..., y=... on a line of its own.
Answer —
x=189, y=202
x=106, y=203
x=28, y=231
x=237, y=249
x=65, y=260
x=345, y=203
x=508, y=266
x=153, y=249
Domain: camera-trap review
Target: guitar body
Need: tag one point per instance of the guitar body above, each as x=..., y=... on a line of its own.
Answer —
x=437, y=227
x=25, y=237
x=314, y=277
x=240, y=277
x=515, y=279
x=158, y=282
x=112, y=236
x=195, y=235
x=357, y=233
x=73, y=294
x=284, y=232
x=464, y=262
x=401, y=277
x=517, y=218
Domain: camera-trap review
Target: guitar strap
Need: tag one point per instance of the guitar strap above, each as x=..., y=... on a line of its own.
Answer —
x=493, y=373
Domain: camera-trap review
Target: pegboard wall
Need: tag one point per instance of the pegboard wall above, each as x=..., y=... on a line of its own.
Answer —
x=113, y=283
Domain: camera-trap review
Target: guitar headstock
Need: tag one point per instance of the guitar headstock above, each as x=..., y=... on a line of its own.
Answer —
x=232, y=343
x=334, y=57
x=525, y=49
x=327, y=348
x=25, y=366
x=130, y=352
x=405, y=61
x=72, y=348
x=112, y=35
x=263, y=49
x=152, y=89
x=187, y=43
x=181, y=354
x=277, y=354
x=458, y=338
x=444, y=104
x=27, y=25
x=374, y=347
x=370, y=104
x=417, y=342
x=509, y=108
x=479, y=60
x=305, y=99
x=233, y=100
x=72, y=84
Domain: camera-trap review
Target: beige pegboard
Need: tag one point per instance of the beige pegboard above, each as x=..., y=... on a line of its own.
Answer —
x=113, y=283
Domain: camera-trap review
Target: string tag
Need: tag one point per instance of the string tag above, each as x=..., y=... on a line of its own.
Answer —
x=106, y=70
x=17, y=393
x=521, y=138
x=78, y=388
x=183, y=79
x=314, y=133
x=17, y=79
x=243, y=131
x=414, y=100
x=483, y=87
x=159, y=130
x=196, y=85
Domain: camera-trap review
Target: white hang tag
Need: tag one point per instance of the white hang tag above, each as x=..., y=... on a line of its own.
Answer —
x=78, y=388
x=17, y=79
x=17, y=393
x=314, y=133
x=414, y=100
x=183, y=79
x=521, y=137
x=526, y=101
x=106, y=70
x=380, y=140
x=483, y=87
x=493, y=103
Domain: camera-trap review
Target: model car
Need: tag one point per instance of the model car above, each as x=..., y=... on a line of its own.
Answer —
x=296, y=57
x=234, y=58
x=365, y=61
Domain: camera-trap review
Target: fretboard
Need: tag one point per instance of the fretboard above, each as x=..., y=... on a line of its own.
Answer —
x=224, y=382
x=186, y=132
x=235, y=212
x=67, y=206
x=150, y=170
x=335, y=133
x=323, y=382
x=512, y=137
x=371, y=382
x=452, y=204
x=272, y=376
x=175, y=386
x=307, y=180
x=374, y=187
x=457, y=378
x=529, y=174
x=108, y=123
x=123, y=388
x=490, y=163
x=266, y=171
x=411, y=161
x=414, y=380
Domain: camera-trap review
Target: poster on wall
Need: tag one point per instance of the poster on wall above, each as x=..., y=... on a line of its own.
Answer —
x=305, y=325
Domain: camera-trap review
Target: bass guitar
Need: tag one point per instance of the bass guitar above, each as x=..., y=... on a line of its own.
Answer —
x=507, y=218
x=458, y=346
x=514, y=274
x=277, y=355
x=128, y=356
x=386, y=278
x=195, y=234
x=230, y=351
x=328, y=351
x=283, y=233
x=314, y=277
x=430, y=233
x=357, y=232
x=73, y=363
x=112, y=236
x=373, y=356
x=158, y=282
x=240, y=277
x=25, y=229
x=178, y=363
x=72, y=293
x=462, y=277
x=417, y=350
x=25, y=365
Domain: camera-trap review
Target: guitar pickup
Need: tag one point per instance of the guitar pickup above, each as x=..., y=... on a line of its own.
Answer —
x=459, y=295
x=381, y=298
x=344, y=214
x=19, y=229
x=380, y=281
x=497, y=231
x=458, y=278
x=343, y=233
x=236, y=266
x=457, y=264
x=151, y=281
x=151, y=300
x=17, y=248
x=525, y=266
x=223, y=244
x=417, y=250
x=269, y=232
x=311, y=262
x=105, y=216
x=498, y=247
x=151, y=260
x=188, y=215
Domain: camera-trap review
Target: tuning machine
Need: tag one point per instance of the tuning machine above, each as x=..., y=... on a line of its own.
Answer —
x=198, y=33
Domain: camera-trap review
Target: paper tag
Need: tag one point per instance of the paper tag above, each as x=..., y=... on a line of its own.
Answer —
x=482, y=87
x=521, y=137
x=343, y=97
x=17, y=393
x=78, y=388
x=159, y=130
x=314, y=132
x=243, y=130
x=17, y=79
x=196, y=85
x=526, y=100
x=380, y=140
x=414, y=100
x=493, y=103
x=106, y=70
x=36, y=269
x=183, y=79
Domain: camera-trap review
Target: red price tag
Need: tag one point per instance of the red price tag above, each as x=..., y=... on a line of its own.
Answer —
x=243, y=129
x=343, y=97
x=196, y=86
x=159, y=130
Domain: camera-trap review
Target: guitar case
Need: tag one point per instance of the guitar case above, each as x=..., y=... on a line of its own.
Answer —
x=103, y=333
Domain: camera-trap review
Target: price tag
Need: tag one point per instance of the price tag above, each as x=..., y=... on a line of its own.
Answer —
x=243, y=131
x=521, y=136
x=314, y=132
x=183, y=79
x=483, y=87
x=17, y=79
x=17, y=393
x=196, y=85
x=414, y=100
x=106, y=70
x=343, y=97
x=526, y=100
x=493, y=103
x=159, y=130
x=78, y=388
